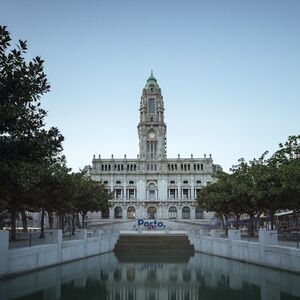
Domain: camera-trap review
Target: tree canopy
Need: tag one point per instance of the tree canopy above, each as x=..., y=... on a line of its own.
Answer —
x=258, y=187
x=33, y=172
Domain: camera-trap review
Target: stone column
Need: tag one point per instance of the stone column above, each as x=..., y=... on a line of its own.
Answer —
x=215, y=233
x=124, y=191
x=192, y=190
x=234, y=234
x=111, y=213
x=268, y=237
x=57, y=238
x=112, y=188
x=4, y=237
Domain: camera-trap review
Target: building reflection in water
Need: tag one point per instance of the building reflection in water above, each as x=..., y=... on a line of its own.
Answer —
x=202, y=277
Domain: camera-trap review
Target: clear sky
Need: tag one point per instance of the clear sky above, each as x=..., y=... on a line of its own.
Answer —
x=229, y=71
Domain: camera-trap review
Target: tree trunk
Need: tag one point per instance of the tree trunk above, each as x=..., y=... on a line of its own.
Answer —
x=50, y=219
x=78, y=220
x=83, y=216
x=62, y=223
x=226, y=224
x=24, y=221
x=60, y=220
x=272, y=219
x=237, y=220
x=42, y=235
x=251, y=225
x=222, y=222
x=73, y=223
x=13, y=236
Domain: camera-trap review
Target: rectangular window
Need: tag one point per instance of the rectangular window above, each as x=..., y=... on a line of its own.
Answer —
x=185, y=194
x=151, y=105
x=151, y=194
x=172, y=194
x=131, y=194
x=119, y=194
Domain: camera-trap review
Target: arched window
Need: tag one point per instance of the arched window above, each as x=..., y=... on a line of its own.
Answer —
x=172, y=182
x=185, y=182
x=186, y=213
x=131, y=212
x=151, y=212
x=186, y=275
x=104, y=276
x=199, y=213
x=118, y=275
x=198, y=182
x=118, y=212
x=152, y=276
x=130, y=274
x=172, y=212
x=131, y=182
x=118, y=182
x=173, y=274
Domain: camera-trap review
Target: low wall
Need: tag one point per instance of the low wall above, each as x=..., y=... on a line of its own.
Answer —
x=266, y=252
x=13, y=261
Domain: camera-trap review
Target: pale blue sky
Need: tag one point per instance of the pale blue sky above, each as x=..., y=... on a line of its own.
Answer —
x=229, y=71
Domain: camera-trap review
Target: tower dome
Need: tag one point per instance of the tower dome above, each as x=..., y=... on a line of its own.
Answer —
x=151, y=82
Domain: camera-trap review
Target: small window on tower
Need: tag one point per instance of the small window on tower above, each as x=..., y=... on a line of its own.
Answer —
x=151, y=105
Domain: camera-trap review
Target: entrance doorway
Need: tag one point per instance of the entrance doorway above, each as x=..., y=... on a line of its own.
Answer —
x=131, y=212
x=151, y=212
x=118, y=212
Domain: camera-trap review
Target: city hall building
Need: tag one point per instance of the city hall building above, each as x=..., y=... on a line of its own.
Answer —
x=153, y=186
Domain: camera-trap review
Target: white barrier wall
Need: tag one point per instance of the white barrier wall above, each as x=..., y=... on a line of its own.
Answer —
x=24, y=259
x=266, y=252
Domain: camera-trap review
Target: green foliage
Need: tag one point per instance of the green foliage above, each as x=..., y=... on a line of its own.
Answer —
x=33, y=172
x=261, y=186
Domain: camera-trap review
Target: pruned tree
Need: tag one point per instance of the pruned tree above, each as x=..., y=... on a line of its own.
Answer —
x=25, y=143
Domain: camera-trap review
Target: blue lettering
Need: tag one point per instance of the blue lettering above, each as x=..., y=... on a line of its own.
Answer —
x=152, y=224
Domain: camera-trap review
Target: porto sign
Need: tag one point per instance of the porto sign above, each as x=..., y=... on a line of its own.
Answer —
x=150, y=223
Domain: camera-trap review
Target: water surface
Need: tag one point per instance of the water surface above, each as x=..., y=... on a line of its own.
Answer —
x=150, y=276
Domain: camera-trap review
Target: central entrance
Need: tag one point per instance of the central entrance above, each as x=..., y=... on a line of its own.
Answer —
x=151, y=212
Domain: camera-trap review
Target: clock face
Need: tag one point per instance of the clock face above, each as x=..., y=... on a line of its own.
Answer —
x=151, y=135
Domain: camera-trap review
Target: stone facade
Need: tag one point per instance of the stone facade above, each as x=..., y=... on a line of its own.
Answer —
x=153, y=186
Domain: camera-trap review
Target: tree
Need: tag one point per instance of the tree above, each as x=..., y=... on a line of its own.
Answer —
x=287, y=162
x=88, y=195
x=260, y=186
x=217, y=197
x=25, y=144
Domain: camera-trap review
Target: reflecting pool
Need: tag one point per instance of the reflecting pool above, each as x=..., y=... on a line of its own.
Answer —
x=150, y=276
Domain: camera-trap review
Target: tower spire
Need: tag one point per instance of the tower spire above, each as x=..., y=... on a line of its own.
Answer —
x=152, y=128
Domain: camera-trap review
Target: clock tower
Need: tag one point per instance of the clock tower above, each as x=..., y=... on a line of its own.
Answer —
x=152, y=129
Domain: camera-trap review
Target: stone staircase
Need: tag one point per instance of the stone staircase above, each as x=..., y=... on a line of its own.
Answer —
x=153, y=248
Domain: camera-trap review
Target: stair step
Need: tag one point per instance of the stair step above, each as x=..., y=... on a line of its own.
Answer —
x=144, y=243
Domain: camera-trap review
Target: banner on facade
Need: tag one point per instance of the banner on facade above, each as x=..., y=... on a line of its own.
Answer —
x=140, y=223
